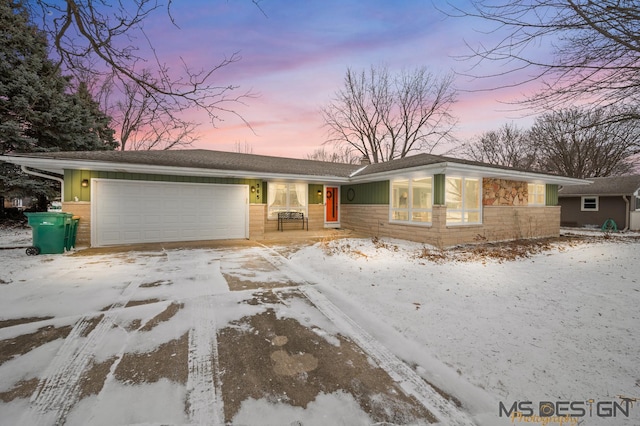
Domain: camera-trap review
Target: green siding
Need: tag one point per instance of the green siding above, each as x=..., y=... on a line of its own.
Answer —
x=551, y=195
x=438, y=189
x=365, y=193
x=73, y=182
x=313, y=196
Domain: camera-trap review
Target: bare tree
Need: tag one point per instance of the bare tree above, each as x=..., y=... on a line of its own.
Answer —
x=585, y=143
x=507, y=146
x=99, y=40
x=383, y=117
x=595, y=49
x=243, y=148
x=143, y=121
x=343, y=154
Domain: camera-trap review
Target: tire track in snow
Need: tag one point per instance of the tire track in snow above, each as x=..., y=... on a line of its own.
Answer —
x=203, y=384
x=399, y=371
x=58, y=389
x=204, y=390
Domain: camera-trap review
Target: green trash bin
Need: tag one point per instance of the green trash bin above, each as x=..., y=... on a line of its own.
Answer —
x=72, y=232
x=50, y=230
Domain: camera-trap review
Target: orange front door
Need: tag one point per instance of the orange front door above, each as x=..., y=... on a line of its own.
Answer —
x=331, y=194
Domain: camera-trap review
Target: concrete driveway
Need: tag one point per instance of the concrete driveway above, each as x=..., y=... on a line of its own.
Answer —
x=232, y=333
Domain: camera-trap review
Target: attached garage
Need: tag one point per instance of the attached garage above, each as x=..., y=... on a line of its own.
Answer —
x=128, y=212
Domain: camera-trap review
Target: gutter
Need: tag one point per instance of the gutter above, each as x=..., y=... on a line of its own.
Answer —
x=42, y=175
x=627, y=213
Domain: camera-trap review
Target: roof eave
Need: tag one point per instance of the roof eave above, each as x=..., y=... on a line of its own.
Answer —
x=59, y=165
x=461, y=169
x=449, y=168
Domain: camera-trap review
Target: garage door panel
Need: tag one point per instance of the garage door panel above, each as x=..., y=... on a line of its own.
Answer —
x=127, y=212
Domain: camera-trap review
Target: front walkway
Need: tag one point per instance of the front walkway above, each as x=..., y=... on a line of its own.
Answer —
x=297, y=237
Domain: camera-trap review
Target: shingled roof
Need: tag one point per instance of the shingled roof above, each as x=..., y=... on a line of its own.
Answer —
x=221, y=163
x=207, y=159
x=616, y=185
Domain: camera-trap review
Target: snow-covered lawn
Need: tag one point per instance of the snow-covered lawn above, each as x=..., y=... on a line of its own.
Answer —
x=559, y=325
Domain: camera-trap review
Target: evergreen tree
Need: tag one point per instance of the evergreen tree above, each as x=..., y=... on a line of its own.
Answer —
x=38, y=110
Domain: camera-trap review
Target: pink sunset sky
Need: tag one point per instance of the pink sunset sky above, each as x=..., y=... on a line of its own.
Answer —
x=294, y=55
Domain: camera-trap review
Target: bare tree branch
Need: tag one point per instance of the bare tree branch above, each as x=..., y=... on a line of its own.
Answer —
x=507, y=146
x=594, y=50
x=384, y=117
x=101, y=39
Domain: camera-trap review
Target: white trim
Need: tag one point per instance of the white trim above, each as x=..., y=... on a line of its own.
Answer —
x=409, y=209
x=288, y=207
x=464, y=210
x=335, y=224
x=42, y=175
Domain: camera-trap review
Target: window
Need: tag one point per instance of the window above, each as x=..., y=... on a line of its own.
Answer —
x=589, y=204
x=286, y=197
x=536, y=194
x=412, y=200
x=462, y=198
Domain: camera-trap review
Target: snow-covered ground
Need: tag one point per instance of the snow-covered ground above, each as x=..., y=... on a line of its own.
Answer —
x=560, y=325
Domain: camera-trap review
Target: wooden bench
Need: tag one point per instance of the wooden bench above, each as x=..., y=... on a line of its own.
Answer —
x=291, y=217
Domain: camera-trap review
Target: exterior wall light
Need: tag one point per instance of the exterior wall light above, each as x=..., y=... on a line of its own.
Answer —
x=253, y=189
x=85, y=183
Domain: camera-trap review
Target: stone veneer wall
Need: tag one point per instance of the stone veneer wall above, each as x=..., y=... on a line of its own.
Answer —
x=82, y=209
x=503, y=192
x=500, y=223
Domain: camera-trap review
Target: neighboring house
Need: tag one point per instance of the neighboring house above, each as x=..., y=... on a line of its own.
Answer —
x=126, y=197
x=606, y=198
x=20, y=203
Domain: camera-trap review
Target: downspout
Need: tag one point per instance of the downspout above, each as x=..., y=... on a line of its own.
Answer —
x=42, y=175
x=626, y=214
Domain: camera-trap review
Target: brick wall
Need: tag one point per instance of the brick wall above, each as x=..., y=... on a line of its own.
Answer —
x=257, y=216
x=499, y=223
x=82, y=209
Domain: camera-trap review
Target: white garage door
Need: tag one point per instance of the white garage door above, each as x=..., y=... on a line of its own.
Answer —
x=125, y=212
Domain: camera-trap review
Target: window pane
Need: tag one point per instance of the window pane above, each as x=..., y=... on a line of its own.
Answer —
x=297, y=196
x=453, y=196
x=400, y=194
x=279, y=192
x=421, y=217
x=472, y=217
x=422, y=190
x=400, y=215
x=454, y=216
x=471, y=194
x=590, y=203
x=536, y=193
x=283, y=197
